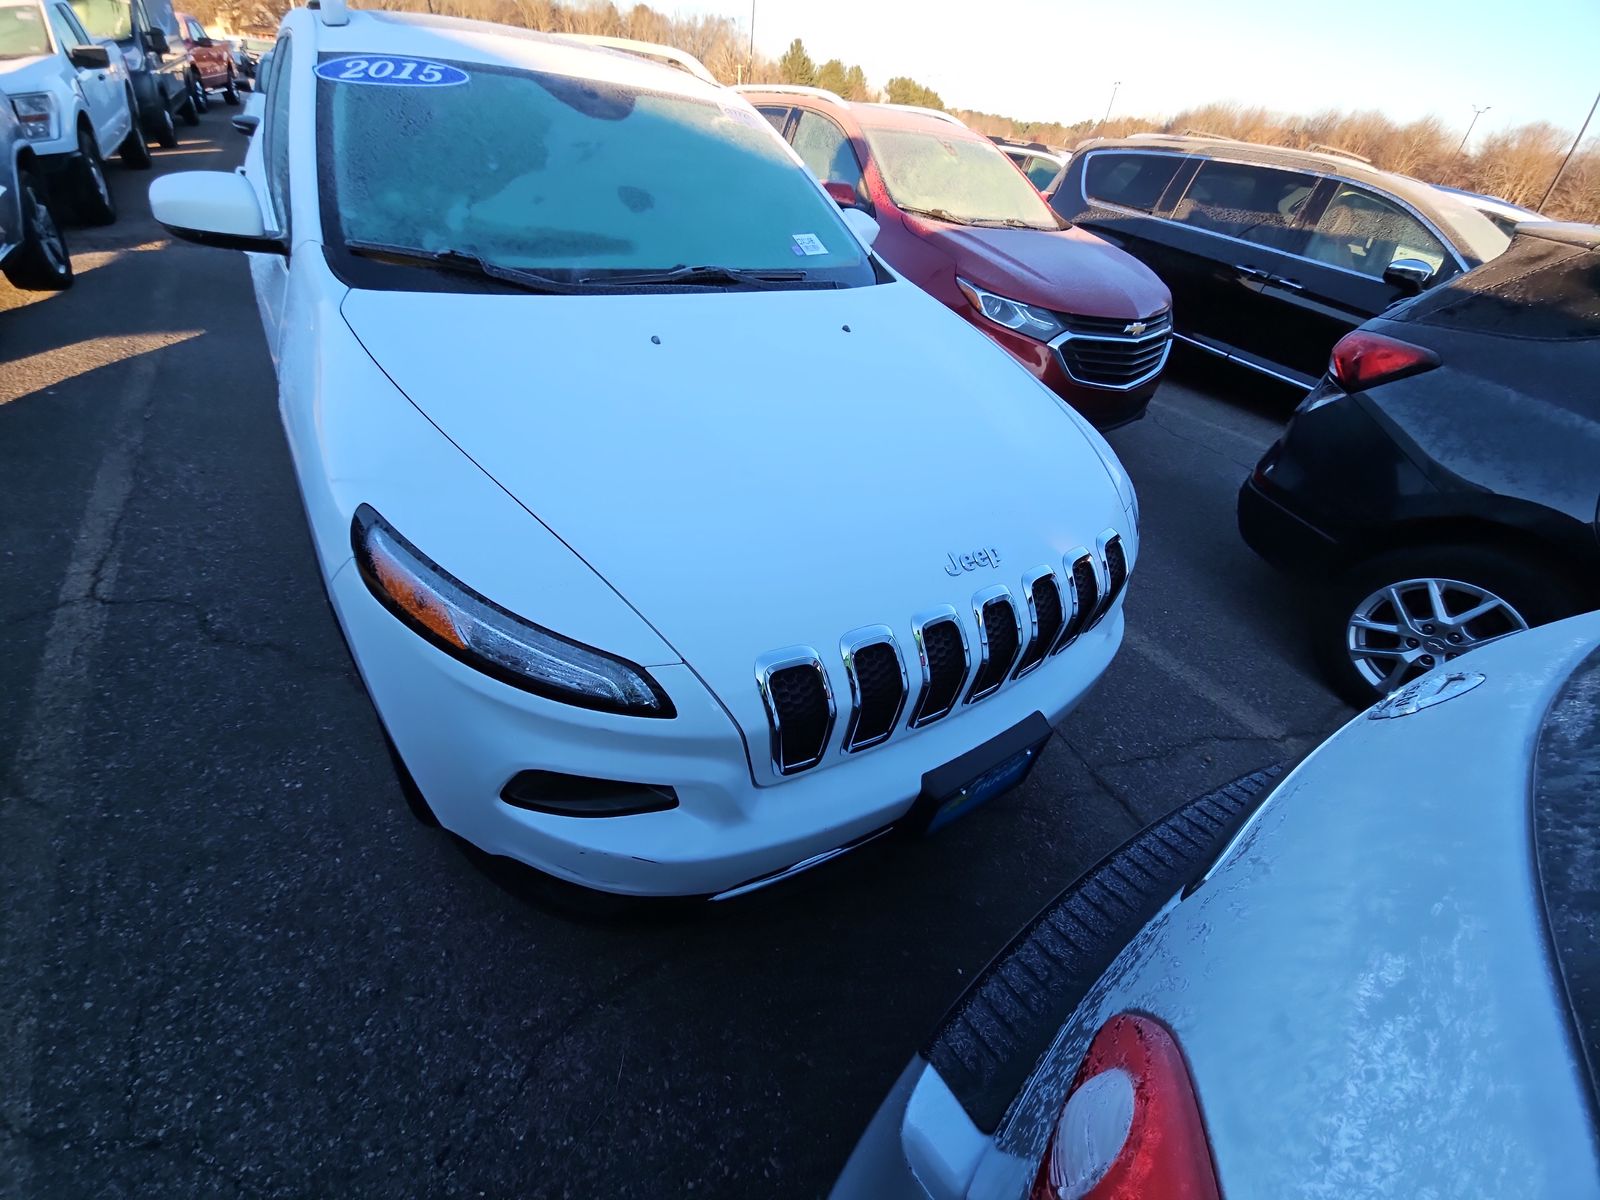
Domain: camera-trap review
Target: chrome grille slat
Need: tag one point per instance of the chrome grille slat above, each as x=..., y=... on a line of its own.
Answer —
x=800, y=710
x=1083, y=593
x=1042, y=592
x=941, y=642
x=999, y=640
x=877, y=677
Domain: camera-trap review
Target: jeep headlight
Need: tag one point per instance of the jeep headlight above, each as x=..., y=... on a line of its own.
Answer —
x=37, y=112
x=1028, y=319
x=475, y=630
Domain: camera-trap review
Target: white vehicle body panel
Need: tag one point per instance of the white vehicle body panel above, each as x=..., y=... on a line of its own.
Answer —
x=684, y=480
x=101, y=95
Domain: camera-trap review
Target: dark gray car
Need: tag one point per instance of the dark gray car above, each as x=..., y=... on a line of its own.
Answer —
x=33, y=253
x=145, y=33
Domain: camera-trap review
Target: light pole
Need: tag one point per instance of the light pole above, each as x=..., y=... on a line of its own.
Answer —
x=1114, y=86
x=752, y=55
x=1576, y=142
x=1476, y=113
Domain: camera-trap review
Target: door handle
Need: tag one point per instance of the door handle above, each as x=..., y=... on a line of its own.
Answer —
x=1253, y=273
x=1293, y=285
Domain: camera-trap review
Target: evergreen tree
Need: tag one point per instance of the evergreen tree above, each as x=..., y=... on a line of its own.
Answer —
x=831, y=75
x=855, y=85
x=908, y=91
x=796, y=66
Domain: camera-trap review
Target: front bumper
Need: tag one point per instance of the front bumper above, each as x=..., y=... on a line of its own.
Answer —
x=463, y=734
x=1104, y=408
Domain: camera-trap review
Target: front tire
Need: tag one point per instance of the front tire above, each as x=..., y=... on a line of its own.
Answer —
x=135, y=151
x=41, y=262
x=202, y=101
x=91, y=190
x=1403, y=613
x=230, y=91
x=189, y=110
x=165, y=132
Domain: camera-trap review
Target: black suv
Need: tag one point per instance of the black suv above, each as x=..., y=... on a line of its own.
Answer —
x=1440, y=486
x=1272, y=255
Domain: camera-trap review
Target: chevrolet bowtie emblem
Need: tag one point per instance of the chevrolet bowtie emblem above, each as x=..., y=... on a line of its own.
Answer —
x=1135, y=328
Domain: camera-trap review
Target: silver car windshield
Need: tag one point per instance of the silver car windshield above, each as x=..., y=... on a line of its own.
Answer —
x=572, y=178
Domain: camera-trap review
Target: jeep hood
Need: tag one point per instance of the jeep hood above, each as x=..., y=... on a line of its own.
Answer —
x=753, y=470
x=1067, y=270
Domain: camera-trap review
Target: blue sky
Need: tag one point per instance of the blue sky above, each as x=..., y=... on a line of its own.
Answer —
x=1039, y=60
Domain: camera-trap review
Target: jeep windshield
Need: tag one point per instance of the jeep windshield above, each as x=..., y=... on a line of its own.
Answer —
x=957, y=178
x=581, y=182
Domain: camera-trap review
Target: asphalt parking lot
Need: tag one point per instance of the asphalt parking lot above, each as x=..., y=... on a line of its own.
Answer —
x=235, y=964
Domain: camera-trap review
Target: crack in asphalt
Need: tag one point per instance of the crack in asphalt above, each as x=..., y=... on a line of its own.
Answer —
x=1247, y=464
x=1210, y=739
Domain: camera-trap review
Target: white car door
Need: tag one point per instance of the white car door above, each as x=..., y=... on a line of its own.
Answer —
x=105, y=95
x=266, y=166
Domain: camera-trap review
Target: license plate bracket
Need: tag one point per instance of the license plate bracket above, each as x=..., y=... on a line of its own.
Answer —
x=979, y=775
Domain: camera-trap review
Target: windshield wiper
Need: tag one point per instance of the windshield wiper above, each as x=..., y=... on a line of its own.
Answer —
x=697, y=276
x=938, y=214
x=1008, y=223
x=469, y=264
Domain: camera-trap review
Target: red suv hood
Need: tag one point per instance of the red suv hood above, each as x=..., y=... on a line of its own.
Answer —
x=1066, y=271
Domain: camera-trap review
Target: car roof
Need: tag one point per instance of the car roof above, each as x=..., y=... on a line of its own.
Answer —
x=1571, y=232
x=458, y=39
x=1468, y=228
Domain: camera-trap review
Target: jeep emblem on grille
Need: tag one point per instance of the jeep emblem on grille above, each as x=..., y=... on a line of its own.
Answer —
x=957, y=563
x=1135, y=328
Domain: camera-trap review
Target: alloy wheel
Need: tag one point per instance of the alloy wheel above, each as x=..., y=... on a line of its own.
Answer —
x=1405, y=629
x=44, y=231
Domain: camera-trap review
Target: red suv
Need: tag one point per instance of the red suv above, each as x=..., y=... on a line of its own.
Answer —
x=958, y=219
x=213, y=59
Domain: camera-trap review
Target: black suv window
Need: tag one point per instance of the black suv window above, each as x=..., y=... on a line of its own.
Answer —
x=1258, y=204
x=1134, y=181
x=1361, y=231
x=777, y=115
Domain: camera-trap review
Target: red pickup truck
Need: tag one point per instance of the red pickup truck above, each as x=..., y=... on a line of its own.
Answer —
x=213, y=60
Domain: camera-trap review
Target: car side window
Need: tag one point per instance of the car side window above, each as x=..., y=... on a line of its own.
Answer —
x=276, y=132
x=1041, y=171
x=823, y=147
x=196, y=31
x=1361, y=231
x=777, y=115
x=1257, y=204
x=1135, y=181
x=69, y=33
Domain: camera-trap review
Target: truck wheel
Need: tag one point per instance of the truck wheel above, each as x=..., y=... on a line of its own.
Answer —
x=189, y=110
x=135, y=151
x=230, y=92
x=163, y=130
x=90, y=190
x=41, y=262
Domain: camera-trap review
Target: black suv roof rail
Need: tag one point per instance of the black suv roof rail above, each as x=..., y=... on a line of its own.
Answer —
x=1321, y=148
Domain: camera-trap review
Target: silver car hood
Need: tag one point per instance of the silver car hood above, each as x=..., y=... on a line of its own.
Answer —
x=1362, y=987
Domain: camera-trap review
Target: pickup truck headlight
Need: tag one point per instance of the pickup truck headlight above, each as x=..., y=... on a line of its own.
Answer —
x=37, y=112
x=469, y=627
x=1028, y=319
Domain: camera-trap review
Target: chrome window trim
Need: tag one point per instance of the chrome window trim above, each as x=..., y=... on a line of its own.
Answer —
x=1103, y=573
x=850, y=645
x=1073, y=629
x=1083, y=190
x=769, y=664
x=981, y=599
x=1061, y=340
x=919, y=623
x=1028, y=580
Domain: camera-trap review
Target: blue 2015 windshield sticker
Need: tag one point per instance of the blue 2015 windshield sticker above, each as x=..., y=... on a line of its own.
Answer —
x=391, y=70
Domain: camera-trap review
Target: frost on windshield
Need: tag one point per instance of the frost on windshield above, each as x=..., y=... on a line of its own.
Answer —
x=547, y=172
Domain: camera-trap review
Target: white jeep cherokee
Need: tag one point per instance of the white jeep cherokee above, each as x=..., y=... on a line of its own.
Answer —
x=74, y=100
x=680, y=543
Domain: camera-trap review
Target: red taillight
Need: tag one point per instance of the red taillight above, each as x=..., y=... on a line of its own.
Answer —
x=1130, y=1128
x=1362, y=360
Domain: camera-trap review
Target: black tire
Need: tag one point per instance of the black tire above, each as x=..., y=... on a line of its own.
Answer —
x=163, y=129
x=135, y=151
x=1531, y=591
x=189, y=110
x=41, y=262
x=202, y=101
x=230, y=92
x=92, y=201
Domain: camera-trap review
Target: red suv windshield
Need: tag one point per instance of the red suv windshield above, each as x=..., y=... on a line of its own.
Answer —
x=957, y=178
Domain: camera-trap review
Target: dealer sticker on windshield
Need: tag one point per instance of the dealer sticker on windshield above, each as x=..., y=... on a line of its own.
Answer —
x=391, y=70
x=808, y=244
